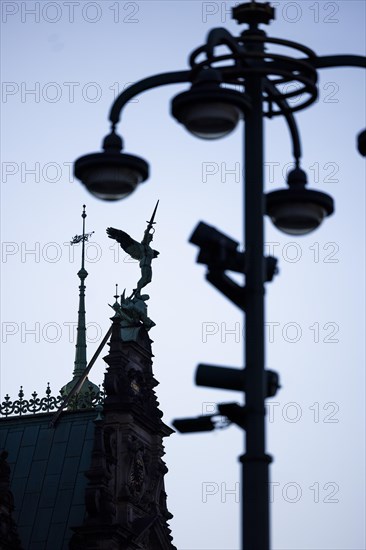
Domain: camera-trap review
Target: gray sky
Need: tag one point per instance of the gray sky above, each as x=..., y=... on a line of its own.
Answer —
x=61, y=68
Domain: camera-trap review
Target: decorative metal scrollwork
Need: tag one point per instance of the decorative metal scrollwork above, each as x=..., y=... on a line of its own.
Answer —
x=49, y=403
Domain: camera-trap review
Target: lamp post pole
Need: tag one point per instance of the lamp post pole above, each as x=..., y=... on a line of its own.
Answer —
x=255, y=488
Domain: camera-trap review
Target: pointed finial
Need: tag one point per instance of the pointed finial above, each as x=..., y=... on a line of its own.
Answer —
x=116, y=295
x=151, y=222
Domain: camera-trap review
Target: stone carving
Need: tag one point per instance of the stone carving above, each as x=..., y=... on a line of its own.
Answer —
x=133, y=311
x=137, y=474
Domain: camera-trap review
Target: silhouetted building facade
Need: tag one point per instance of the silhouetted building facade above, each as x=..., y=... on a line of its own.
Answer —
x=84, y=470
x=95, y=478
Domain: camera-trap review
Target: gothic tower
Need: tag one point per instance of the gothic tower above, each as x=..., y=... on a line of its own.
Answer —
x=125, y=497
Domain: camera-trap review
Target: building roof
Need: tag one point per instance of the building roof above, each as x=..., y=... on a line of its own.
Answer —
x=47, y=474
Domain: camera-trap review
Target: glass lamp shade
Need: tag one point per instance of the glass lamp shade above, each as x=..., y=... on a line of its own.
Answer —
x=209, y=112
x=361, y=143
x=298, y=211
x=111, y=175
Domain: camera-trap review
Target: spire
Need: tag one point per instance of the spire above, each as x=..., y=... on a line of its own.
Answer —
x=80, y=362
x=80, y=352
x=116, y=296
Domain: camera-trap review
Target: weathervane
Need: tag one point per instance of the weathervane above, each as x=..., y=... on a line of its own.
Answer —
x=82, y=238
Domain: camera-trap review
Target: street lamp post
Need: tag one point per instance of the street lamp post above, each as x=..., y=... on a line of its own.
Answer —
x=210, y=109
x=255, y=475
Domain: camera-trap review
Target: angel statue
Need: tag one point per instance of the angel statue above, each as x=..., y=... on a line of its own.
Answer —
x=138, y=251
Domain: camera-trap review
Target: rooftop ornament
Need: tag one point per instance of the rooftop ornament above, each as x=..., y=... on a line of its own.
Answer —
x=138, y=251
x=210, y=109
x=48, y=403
x=133, y=309
x=80, y=353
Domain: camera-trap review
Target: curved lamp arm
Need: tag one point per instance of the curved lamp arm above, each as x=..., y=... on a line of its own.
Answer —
x=327, y=61
x=143, y=85
x=290, y=119
x=176, y=77
x=220, y=36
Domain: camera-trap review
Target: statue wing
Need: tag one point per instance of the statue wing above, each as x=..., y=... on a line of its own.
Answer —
x=129, y=245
